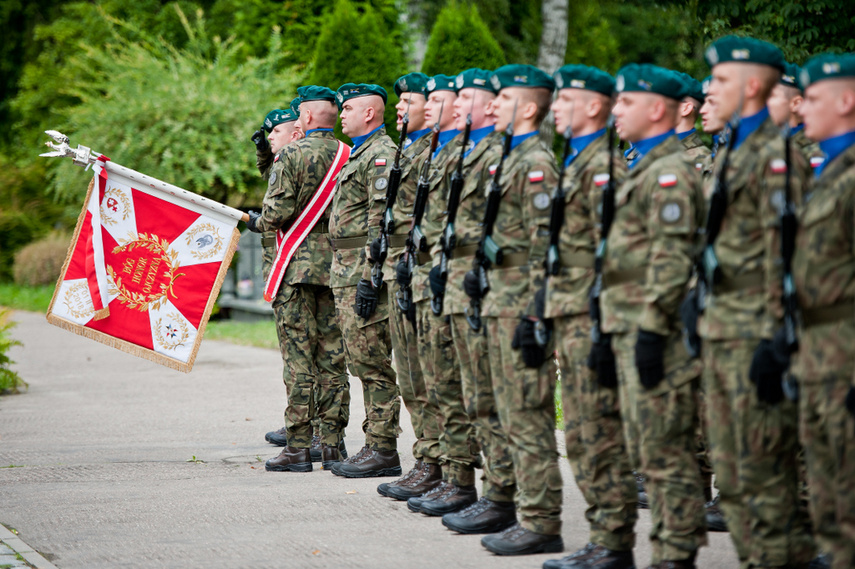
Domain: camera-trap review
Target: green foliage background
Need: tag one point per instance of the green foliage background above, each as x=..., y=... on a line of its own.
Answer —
x=459, y=40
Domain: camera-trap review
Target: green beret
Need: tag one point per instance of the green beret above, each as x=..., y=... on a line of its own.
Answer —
x=295, y=105
x=518, y=75
x=584, y=77
x=744, y=50
x=474, y=78
x=315, y=93
x=649, y=78
x=411, y=83
x=827, y=66
x=790, y=76
x=440, y=83
x=705, y=85
x=352, y=91
x=694, y=89
x=278, y=116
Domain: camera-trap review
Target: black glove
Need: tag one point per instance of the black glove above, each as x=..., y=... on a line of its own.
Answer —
x=375, y=250
x=366, y=299
x=471, y=285
x=252, y=224
x=533, y=354
x=602, y=360
x=259, y=137
x=850, y=401
x=437, y=281
x=767, y=370
x=402, y=274
x=689, y=315
x=650, y=358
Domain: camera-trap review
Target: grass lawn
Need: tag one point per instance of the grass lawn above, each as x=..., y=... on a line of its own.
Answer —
x=258, y=334
x=32, y=298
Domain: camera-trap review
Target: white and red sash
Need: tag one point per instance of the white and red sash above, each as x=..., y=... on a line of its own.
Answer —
x=287, y=243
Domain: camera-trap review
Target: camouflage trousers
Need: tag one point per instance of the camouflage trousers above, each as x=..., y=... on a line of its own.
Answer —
x=499, y=483
x=313, y=352
x=525, y=401
x=826, y=367
x=412, y=384
x=753, y=448
x=702, y=447
x=460, y=452
x=662, y=427
x=595, y=441
x=369, y=357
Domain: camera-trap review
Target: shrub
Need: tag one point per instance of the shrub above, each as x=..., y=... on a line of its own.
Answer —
x=40, y=262
x=459, y=40
x=10, y=381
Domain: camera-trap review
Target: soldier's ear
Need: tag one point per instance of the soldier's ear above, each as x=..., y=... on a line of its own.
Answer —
x=846, y=101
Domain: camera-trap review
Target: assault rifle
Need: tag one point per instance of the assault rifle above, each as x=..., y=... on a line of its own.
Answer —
x=448, y=239
x=789, y=226
x=488, y=253
x=416, y=240
x=606, y=219
x=387, y=223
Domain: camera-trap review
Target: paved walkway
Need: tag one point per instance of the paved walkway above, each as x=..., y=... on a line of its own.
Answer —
x=112, y=461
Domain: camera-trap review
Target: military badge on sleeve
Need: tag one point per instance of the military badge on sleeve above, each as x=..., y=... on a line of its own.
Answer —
x=671, y=213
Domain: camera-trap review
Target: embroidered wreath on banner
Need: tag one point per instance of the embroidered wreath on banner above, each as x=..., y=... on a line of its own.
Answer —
x=175, y=335
x=76, y=291
x=216, y=241
x=159, y=250
x=110, y=204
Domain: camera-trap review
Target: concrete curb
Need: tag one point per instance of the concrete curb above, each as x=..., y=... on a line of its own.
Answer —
x=13, y=542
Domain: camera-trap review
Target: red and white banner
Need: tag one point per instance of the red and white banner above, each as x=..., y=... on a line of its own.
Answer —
x=145, y=266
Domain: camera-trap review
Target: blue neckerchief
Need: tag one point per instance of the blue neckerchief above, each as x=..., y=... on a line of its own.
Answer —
x=308, y=132
x=748, y=125
x=796, y=129
x=518, y=139
x=360, y=140
x=443, y=138
x=580, y=143
x=648, y=144
x=413, y=136
x=628, y=150
x=476, y=136
x=834, y=147
x=682, y=135
x=715, y=142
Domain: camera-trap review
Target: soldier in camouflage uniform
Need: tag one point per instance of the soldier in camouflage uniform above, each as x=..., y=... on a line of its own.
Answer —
x=425, y=474
x=303, y=305
x=784, y=108
x=824, y=274
x=690, y=106
x=647, y=263
x=459, y=451
x=592, y=424
x=524, y=397
x=751, y=427
x=363, y=311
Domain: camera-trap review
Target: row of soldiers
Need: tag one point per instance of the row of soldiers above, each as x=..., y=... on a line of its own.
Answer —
x=675, y=288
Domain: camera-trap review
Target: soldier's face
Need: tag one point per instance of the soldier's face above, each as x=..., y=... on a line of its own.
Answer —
x=779, y=104
x=568, y=108
x=439, y=108
x=727, y=89
x=416, y=104
x=503, y=107
x=710, y=121
x=475, y=101
x=827, y=109
x=353, y=117
x=632, y=111
x=280, y=136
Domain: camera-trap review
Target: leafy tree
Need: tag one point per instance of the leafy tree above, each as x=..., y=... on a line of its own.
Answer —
x=352, y=48
x=182, y=115
x=460, y=40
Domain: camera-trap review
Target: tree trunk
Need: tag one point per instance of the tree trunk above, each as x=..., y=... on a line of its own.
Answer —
x=553, y=48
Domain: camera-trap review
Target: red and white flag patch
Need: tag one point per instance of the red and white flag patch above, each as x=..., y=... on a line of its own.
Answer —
x=380, y=162
x=667, y=180
x=535, y=176
x=816, y=161
x=600, y=179
x=492, y=169
x=778, y=166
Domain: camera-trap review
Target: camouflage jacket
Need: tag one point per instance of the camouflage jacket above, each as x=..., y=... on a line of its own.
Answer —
x=469, y=224
x=264, y=160
x=402, y=211
x=292, y=182
x=808, y=148
x=584, y=181
x=652, y=242
x=699, y=153
x=747, y=304
x=358, y=206
x=529, y=175
x=433, y=221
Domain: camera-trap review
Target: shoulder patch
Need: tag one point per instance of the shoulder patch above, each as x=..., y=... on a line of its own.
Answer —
x=671, y=213
x=600, y=179
x=276, y=158
x=778, y=166
x=541, y=200
x=816, y=161
x=535, y=176
x=699, y=165
x=668, y=180
x=777, y=200
x=381, y=183
x=272, y=179
x=380, y=162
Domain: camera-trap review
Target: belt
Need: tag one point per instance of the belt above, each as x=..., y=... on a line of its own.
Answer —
x=827, y=314
x=748, y=280
x=350, y=242
x=582, y=260
x=398, y=240
x=621, y=277
x=271, y=240
x=465, y=251
x=423, y=257
x=517, y=259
